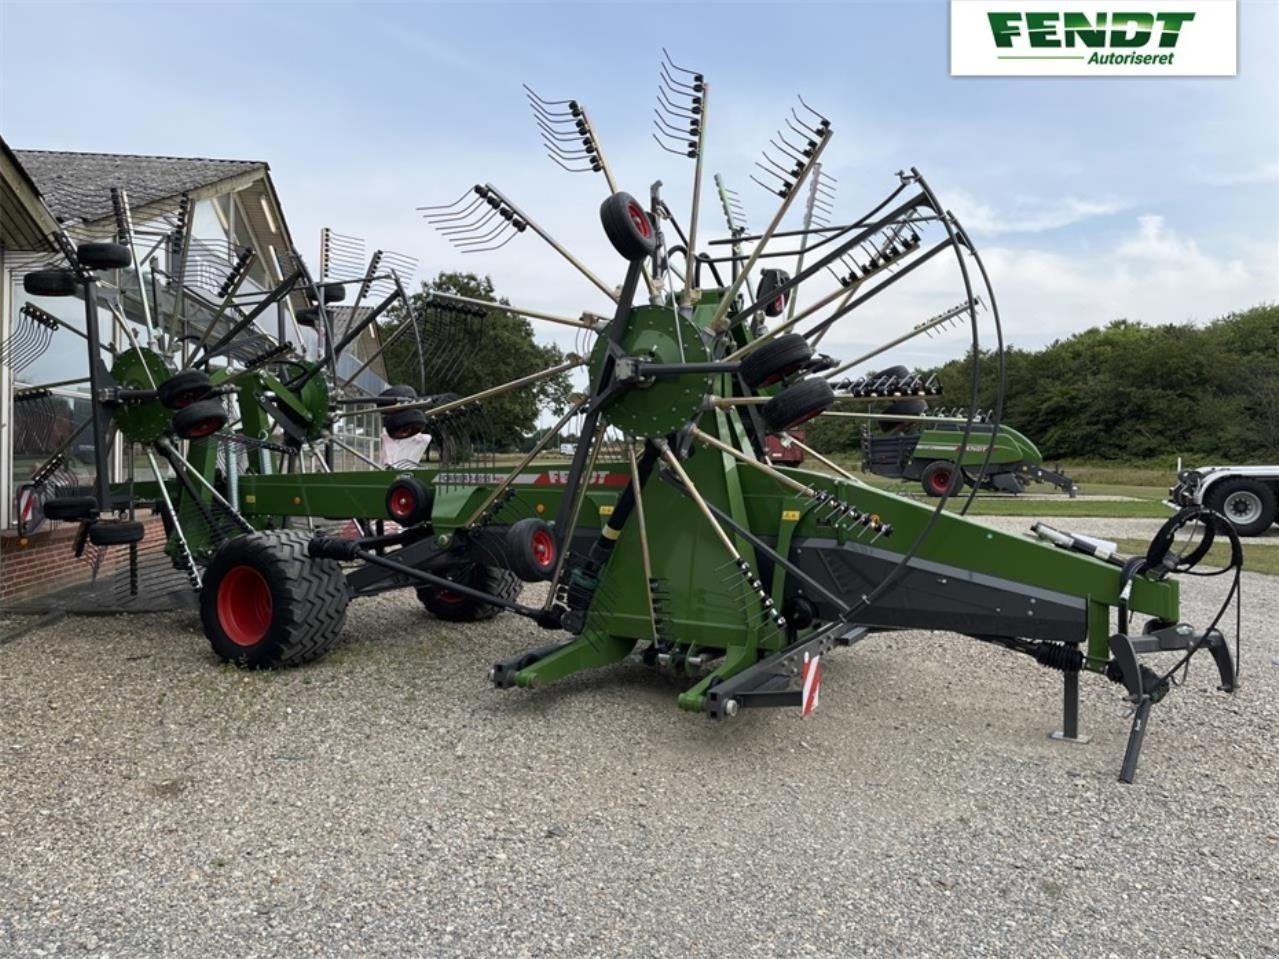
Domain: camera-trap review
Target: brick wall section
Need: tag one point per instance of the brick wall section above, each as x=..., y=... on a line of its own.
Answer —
x=45, y=561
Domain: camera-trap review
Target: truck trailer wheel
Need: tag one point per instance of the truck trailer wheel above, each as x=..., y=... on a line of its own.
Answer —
x=1248, y=504
x=456, y=608
x=940, y=478
x=266, y=603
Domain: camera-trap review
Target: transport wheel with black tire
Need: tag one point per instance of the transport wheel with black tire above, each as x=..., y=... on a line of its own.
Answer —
x=50, y=283
x=628, y=227
x=797, y=404
x=104, y=256
x=398, y=393
x=182, y=389
x=775, y=360
x=404, y=423
x=940, y=478
x=267, y=603
x=907, y=406
x=530, y=551
x=202, y=418
x=118, y=532
x=69, y=508
x=408, y=501
x=332, y=293
x=1248, y=504
x=456, y=608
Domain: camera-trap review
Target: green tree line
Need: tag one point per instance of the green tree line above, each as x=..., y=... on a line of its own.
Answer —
x=464, y=354
x=1131, y=391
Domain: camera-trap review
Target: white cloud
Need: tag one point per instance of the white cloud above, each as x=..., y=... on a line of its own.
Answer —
x=1028, y=214
x=1262, y=173
x=1152, y=274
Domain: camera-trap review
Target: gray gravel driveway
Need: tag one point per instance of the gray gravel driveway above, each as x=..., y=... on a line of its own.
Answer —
x=386, y=801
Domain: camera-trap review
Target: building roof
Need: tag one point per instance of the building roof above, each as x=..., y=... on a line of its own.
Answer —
x=25, y=222
x=77, y=186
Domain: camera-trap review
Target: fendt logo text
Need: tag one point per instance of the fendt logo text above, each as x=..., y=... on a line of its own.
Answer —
x=994, y=38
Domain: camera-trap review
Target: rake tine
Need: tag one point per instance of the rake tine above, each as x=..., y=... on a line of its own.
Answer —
x=445, y=206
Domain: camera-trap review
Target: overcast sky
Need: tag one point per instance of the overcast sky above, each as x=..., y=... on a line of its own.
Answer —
x=1090, y=199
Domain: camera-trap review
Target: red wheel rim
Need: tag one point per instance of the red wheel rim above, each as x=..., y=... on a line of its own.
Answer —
x=203, y=429
x=403, y=502
x=940, y=481
x=543, y=547
x=183, y=400
x=640, y=219
x=244, y=606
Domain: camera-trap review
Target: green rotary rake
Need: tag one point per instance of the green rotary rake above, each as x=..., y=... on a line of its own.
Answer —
x=668, y=532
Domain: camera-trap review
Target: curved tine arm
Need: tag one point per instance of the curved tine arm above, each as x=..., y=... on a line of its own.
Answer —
x=445, y=206
x=461, y=241
x=820, y=116
x=826, y=191
x=787, y=153
x=551, y=117
x=673, y=130
x=691, y=90
x=555, y=148
x=674, y=108
x=776, y=191
x=784, y=179
x=561, y=135
x=469, y=227
x=490, y=249
x=790, y=174
x=801, y=130
x=682, y=141
x=808, y=131
x=436, y=218
x=532, y=93
x=676, y=66
x=827, y=176
x=678, y=153
x=799, y=151
x=571, y=169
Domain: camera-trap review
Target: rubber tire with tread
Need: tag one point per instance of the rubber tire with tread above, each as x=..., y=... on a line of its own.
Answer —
x=775, y=360
x=463, y=609
x=520, y=554
x=332, y=293
x=72, y=509
x=190, y=421
x=118, y=532
x=1221, y=492
x=797, y=404
x=182, y=389
x=104, y=256
x=620, y=215
x=404, y=423
x=50, y=283
x=395, y=394
x=936, y=467
x=906, y=406
x=308, y=600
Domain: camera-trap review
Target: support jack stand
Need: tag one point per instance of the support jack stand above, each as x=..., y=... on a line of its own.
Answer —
x=1069, y=732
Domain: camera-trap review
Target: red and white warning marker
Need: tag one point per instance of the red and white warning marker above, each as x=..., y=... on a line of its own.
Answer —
x=811, y=673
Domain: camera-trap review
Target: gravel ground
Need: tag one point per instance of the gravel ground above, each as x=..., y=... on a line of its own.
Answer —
x=386, y=801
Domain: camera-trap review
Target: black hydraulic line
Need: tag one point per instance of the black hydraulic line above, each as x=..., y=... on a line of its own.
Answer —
x=430, y=579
